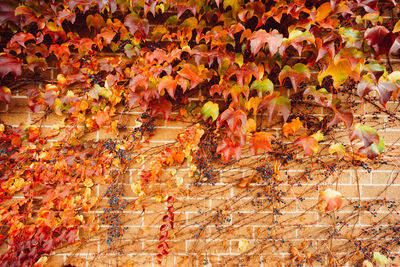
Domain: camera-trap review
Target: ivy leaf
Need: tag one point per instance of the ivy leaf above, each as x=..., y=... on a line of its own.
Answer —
x=292, y=127
x=384, y=87
x=7, y=13
x=253, y=103
x=193, y=74
x=234, y=4
x=9, y=64
x=135, y=24
x=274, y=104
x=107, y=34
x=396, y=27
x=260, y=37
x=296, y=39
x=342, y=115
x=210, y=109
x=161, y=105
x=380, y=38
x=233, y=118
x=365, y=133
x=264, y=86
x=229, y=149
x=65, y=14
x=243, y=243
x=337, y=148
x=5, y=94
x=168, y=83
x=380, y=259
x=321, y=96
x=95, y=21
x=21, y=38
x=309, y=144
x=295, y=74
x=103, y=117
x=339, y=72
x=244, y=73
x=261, y=140
x=330, y=200
x=374, y=150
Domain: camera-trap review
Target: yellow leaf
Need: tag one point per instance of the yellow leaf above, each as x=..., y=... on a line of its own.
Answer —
x=80, y=218
x=88, y=182
x=41, y=262
x=396, y=27
x=251, y=126
x=243, y=243
x=318, y=136
x=337, y=148
x=339, y=72
x=137, y=188
x=253, y=104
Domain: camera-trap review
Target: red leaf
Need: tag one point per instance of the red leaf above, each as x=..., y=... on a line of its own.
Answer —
x=331, y=199
x=65, y=14
x=5, y=94
x=192, y=73
x=165, y=218
x=107, y=34
x=273, y=104
x=7, y=13
x=163, y=227
x=261, y=140
x=21, y=38
x=135, y=24
x=260, y=37
x=229, y=149
x=60, y=51
x=296, y=74
x=234, y=118
x=309, y=144
x=9, y=64
x=244, y=73
x=380, y=38
x=385, y=89
x=342, y=115
x=70, y=237
x=365, y=133
x=161, y=105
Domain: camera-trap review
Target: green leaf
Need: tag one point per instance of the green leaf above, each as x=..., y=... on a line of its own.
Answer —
x=264, y=86
x=239, y=59
x=210, y=109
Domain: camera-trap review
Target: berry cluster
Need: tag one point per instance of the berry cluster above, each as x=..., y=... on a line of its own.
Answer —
x=271, y=192
x=95, y=78
x=147, y=126
x=153, y=46
x=112, y=215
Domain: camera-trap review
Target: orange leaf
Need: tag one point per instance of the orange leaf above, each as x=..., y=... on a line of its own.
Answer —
x=261, y=140
x=292, y=127
x=179, y=156
x=309, y=144
x=330, y=199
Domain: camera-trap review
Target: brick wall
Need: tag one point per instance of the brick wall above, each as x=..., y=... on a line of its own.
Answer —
x=212, y=219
